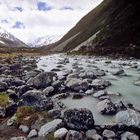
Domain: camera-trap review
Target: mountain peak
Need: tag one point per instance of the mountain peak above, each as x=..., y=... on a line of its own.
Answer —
x=9, y=40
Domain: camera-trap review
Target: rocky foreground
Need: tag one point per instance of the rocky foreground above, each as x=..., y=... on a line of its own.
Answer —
x=31, y=107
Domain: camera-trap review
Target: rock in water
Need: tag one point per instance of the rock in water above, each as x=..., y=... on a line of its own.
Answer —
x=79, y=119
x=49, y=127
x=129, y=117
x=76, y=84
x=42, y=80
x=129, y=136
x=100, y=83
x=108, y=134
x=106, y=107
x=137, y=83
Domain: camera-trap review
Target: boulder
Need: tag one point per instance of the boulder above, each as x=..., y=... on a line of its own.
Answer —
x=60, y=133
x=55, y=113
x=129, y=136
x=137, y=83
x=74, y=135
x=76, y=84
x=120, y=105
x=48, y=91
x=33, y=133
x=100, y=93
x=118, y=72
x=32, y=97
x=92, y=135
x=49, y=127
x=78, y=119
x=24, y=128
x=109, y=134
x=106, y=107
x=30, y=74
x=100, y=83
x=89, y=91
x=128, y=117
x=42, y=80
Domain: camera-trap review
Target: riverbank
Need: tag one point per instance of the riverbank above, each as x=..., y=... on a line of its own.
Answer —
x=60, y=96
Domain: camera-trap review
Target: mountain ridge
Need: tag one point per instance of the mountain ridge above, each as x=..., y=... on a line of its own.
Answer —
x=118, y=23
x=9, y=40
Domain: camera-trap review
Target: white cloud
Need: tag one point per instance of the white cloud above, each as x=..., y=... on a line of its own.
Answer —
x=40, y=23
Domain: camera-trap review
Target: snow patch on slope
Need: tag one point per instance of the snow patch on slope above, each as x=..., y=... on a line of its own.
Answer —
x=46, y=40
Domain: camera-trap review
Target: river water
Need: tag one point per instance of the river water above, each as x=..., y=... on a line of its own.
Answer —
x=124, y=84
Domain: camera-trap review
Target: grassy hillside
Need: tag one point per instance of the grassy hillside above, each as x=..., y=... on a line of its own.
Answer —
x=118, y=22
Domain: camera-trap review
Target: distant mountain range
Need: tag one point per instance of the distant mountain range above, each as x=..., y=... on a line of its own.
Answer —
x=112, y=28
x=45, y=40
x=9, y=40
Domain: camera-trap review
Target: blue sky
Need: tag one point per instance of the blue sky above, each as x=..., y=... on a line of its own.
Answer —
x=29, y=19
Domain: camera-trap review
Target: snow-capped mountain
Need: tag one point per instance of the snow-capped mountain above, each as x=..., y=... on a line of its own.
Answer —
x=45, y=40
x=9, y=40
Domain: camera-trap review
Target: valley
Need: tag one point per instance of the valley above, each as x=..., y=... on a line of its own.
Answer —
x=81, y=85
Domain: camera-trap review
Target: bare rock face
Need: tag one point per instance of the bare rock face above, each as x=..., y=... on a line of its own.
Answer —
x=79, y=119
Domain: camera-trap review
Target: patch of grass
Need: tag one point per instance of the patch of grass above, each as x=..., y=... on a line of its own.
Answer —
x=50, y=136
x=3, y=99
x=26, y=115
x=46, y=116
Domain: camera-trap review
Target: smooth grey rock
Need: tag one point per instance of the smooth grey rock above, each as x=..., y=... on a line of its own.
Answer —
x=76, y=84
x=100, y=93
x=137, y=83
x=42, y=80
x=106, y=107
x=32, y=97
x=49, y=127
x=118, y=72
x=89, y=92
x=128, y=117
x=129, y=136
x=100, y=83
x=92, y=135
x=24, y=128
x=108, y=134
x=60, y=133
x=47, y=91
x=33, y=133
